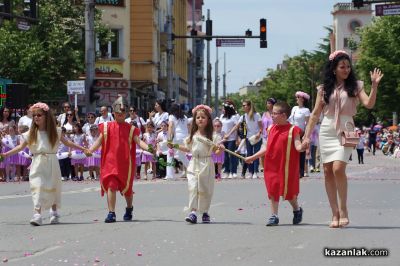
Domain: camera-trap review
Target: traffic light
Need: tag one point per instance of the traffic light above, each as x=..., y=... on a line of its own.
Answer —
x=263, y=33
x=358, y=3
x=93, y=96
x=5, y=6
x=209, y=29
x=248, y=33
x=30, y=9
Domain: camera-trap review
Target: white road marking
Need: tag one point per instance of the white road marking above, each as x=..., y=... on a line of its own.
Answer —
x=85, y=190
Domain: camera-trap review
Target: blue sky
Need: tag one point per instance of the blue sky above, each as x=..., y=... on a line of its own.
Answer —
x=292, y=25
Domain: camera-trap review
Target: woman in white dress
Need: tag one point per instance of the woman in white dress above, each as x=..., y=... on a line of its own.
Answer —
x=299, y=117
x=159, y=114
x=337, y=99
x=178, y=130
x=43, y=139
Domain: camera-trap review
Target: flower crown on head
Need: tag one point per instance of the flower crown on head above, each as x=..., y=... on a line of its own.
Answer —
x=203, y=107
x=336, y=53
x=303, y=95
x=228, y=105
x=40, y=105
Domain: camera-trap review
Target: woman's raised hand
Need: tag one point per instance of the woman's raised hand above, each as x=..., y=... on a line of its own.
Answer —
x=376, y=76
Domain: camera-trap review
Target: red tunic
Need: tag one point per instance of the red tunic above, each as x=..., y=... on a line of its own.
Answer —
x=118, y=157
x=275, y=160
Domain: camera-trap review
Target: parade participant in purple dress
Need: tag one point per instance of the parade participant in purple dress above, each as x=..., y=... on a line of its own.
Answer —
x=93, y=162
x=80, y=139
x=11, y=141
x=150, y=139
x=23, y=160
x=218, y=159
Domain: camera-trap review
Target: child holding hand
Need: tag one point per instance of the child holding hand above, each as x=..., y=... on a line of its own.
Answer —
x=201, y=170
x=281, y=163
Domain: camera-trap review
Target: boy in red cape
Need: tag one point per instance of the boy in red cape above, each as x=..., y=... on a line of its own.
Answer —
x=281, y=163
x=118, y=141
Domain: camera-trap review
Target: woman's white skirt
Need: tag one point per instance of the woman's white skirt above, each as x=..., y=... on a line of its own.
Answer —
x=330, y=147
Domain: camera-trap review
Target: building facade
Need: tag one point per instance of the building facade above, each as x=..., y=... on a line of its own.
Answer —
x=346, y=20
x=137, y=62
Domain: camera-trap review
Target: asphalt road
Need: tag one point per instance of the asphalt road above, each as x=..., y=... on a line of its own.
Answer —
x=237, y=235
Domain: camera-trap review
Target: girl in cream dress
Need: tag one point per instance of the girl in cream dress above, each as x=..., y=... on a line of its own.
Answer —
x=43, y=139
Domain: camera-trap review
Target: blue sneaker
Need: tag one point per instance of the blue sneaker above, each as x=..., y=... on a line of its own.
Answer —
x=206, y=218
x=273, y=220
x=128, y=214
x=297, y=216
x=110, y=218
x=191, y=218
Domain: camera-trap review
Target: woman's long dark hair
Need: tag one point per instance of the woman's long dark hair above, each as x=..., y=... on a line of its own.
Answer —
x=350, y=84
x=162, y=104
x=176, y=111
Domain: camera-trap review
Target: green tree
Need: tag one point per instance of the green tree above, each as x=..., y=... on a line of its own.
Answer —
x=48, y=54
x=380, y=47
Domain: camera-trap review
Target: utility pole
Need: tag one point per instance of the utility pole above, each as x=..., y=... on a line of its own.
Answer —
x=169, y=52
x=224, y=79
x=216, y=85
x=208, y=67
x=89, y=52
x=193, y=81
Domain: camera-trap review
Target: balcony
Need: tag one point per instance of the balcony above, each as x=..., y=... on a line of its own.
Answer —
x=349, y=7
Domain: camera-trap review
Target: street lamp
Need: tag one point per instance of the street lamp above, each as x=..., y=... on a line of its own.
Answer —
x=224, y=84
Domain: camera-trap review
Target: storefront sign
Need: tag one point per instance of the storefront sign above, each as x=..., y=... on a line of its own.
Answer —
x=109, y=68
x=112, y=84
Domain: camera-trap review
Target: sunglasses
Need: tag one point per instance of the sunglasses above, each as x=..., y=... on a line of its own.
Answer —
x=132, y=110
x=277, y=113
x=70, y=115
x=67, y=107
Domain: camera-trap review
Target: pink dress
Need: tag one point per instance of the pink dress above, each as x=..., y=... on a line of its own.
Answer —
x=221, y=156
x=78, y=139
x=149, y=139
x=93, y=161
x=9, y=142
x=21, y=159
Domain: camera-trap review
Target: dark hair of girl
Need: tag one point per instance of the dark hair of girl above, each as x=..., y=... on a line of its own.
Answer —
x=66, y=117
x=209, y=127
x=2, y=114
x=79, y=127
x=176, y=111
x=162, y=104
x=350, y=84
x=228, y=111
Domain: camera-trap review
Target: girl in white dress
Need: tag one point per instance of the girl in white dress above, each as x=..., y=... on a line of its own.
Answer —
x=43, y=139
x=201, y=170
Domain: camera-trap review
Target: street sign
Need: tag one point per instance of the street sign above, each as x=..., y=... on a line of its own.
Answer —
x=387, y=10
x=230, y=42
x=76, y=87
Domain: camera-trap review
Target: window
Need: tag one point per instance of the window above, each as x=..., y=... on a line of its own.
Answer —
x=346, y=42
x=112, y=48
